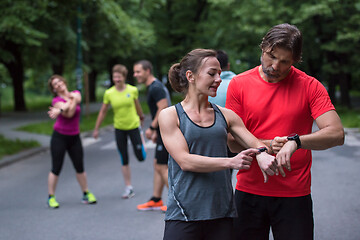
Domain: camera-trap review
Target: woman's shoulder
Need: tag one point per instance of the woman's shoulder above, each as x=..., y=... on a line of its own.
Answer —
x=57, y=99
x=168, y=116
x=131, y=88
x=110, y=90
x=226, y=113
x=169, y=110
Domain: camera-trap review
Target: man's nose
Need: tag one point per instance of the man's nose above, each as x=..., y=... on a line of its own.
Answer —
x=275, y=65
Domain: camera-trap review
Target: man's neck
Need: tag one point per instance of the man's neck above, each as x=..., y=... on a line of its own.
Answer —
x=150, y=80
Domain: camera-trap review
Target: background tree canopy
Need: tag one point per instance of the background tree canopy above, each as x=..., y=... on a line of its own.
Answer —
x=38, y=38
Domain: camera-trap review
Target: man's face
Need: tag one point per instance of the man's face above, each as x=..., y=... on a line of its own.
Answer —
x=140, y=74
x=276, y=64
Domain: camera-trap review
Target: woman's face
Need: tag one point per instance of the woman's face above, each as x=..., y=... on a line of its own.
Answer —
x=58, y=85
x=118, y=78
x=207, y=80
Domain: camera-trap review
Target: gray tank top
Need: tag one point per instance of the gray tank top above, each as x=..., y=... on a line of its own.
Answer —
x=196, y=196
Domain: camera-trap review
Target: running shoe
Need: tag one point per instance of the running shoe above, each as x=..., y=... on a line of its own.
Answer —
x=163, y=208
x=128, y=193
x=52, y=203
x=89, y=198
x=150, y=205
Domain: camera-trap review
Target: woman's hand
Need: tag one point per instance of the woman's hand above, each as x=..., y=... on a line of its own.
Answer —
x=95, y=134
x=54, y=112
x=243, y=159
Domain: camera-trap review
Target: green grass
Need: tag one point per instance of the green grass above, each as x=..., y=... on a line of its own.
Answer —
x=350, y=118
x=9, y=147
x=34, y=101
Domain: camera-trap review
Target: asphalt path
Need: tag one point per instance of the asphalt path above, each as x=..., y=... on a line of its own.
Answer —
x=25, y=215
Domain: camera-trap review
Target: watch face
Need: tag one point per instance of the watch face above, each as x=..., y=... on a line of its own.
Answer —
x=262, y=149
x=296, y=138
x=293, y=135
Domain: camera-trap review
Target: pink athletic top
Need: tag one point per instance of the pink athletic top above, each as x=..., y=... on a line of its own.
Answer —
x=64, y=125
x=278, y=109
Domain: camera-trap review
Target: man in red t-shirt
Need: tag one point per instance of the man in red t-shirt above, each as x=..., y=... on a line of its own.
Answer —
x=278, y=104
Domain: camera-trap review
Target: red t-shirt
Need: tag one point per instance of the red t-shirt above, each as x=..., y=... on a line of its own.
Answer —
x=278, y=109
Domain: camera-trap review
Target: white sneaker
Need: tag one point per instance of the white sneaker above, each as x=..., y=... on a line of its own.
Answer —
x=128, y=192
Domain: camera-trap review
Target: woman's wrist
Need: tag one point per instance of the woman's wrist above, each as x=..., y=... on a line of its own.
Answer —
x=271, y=146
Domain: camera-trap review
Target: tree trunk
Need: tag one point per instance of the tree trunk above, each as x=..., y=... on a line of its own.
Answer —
x=16, y=71
x=344, y=90
x=331, y=89
x=58, y=62
x=92, y=86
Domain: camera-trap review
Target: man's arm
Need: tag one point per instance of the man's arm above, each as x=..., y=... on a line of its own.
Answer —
x=150, y=133
x=161, y=104
x=330, y=134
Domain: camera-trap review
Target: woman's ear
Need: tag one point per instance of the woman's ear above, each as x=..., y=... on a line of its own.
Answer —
x=190, y=76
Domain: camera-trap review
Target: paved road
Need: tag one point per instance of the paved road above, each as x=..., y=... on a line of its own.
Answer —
x=23, y=191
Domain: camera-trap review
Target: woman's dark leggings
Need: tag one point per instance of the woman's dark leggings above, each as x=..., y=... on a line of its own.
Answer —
x=59, y=145
x=121, y=137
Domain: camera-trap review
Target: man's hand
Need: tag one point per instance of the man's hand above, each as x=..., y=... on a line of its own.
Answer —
x=267, y=164
x=285, y=153
x=277, y=143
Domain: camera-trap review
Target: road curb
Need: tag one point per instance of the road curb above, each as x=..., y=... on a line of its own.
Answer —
x=7, y=160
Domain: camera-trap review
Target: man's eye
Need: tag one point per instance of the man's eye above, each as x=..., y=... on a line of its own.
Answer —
x=212, y=74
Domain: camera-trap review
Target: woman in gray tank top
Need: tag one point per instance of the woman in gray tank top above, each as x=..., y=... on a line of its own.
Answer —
x=200, y=198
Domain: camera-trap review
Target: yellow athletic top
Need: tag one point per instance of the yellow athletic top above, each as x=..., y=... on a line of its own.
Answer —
x=123, y=105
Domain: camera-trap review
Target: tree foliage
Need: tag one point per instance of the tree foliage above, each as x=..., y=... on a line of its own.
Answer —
x=38, y=38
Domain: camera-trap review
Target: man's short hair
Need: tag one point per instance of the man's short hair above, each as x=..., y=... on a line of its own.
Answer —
x=284, y=36
x=145, y=65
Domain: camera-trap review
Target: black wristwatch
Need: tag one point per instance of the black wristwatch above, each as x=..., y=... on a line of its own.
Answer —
x=296, y=138
x=152, y=128
x=262, y=149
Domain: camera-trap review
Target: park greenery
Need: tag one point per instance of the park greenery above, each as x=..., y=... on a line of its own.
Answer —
x=39, y=38
x=9, y=147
